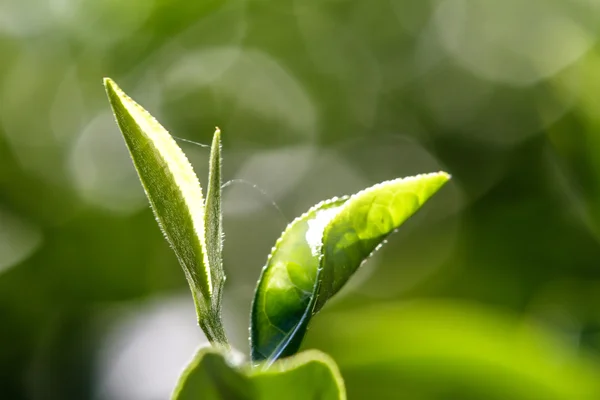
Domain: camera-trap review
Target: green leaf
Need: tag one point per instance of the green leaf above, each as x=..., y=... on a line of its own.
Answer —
x=308, y=375
x=213, y=221
x=320, y=251
x=210, y=376
x=282, y=303
x=175, y=196
x=363, y=223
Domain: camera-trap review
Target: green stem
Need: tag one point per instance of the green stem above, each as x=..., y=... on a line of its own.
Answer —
x=212, y=325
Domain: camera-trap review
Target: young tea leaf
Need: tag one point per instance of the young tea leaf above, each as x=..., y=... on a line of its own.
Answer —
x=308, y=375
x=175, y=197
x=320, y=251
x=213, y=221
x=282, y=303
x=363, y=223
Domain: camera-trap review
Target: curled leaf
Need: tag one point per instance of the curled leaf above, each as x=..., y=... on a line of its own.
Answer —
x=285, y=294
x=320, y=251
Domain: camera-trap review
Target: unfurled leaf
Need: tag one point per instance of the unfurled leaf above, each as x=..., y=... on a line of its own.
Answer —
x=175, y=196
x=320, y=251
x=364, y=222
x=308, y=375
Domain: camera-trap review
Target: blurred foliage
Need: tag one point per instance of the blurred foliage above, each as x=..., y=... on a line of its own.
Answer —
x=315, y=99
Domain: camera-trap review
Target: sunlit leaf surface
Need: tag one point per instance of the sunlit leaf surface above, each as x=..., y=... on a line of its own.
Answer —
x=320, y=251
x=364, y=222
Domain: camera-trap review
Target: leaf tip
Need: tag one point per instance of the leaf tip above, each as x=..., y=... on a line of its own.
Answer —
x=113, y=91
x=217, y=137
x=109, y=85
x=441, y=177
x=445, y=175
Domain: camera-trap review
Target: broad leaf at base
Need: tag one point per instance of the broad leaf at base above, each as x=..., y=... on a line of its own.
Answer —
x=308, y=375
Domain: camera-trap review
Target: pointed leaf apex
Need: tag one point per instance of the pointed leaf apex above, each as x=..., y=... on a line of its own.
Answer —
x=214, y=221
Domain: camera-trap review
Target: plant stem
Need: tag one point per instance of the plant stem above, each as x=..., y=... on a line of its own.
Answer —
x=214, y=330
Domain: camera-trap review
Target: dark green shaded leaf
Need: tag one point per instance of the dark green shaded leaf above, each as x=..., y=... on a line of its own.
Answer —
x=308, y=375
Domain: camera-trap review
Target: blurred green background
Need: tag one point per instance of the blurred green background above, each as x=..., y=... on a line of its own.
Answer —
x=492, y=291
